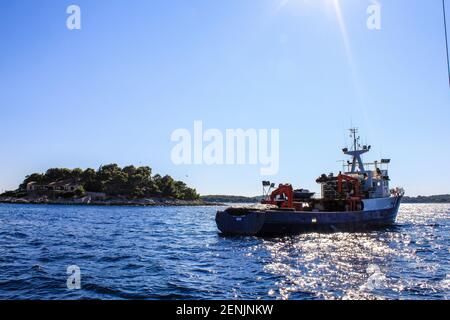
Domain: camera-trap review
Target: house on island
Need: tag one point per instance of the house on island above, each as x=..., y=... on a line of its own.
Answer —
x=59, y=186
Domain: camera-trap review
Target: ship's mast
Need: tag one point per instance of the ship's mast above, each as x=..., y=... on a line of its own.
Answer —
x=356, y=152
x=353, y=132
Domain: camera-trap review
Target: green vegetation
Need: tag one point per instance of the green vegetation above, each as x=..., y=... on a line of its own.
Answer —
x=130, y=181
x=443, y=198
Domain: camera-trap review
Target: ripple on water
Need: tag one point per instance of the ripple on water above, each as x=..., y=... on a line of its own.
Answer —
x=176, y=253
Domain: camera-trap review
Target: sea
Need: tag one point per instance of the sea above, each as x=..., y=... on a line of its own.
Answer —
x=99, y=252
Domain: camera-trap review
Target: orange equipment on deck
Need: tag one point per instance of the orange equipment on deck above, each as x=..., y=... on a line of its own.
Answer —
x=353, y=181
x=281, y=197
x=354, y=200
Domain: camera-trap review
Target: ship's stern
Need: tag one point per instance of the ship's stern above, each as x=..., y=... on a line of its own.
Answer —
x=240, y=221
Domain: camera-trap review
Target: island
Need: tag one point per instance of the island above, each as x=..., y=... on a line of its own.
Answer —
x=108, y=185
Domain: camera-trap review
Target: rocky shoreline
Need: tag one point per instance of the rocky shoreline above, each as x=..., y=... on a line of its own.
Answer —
x=108, y=202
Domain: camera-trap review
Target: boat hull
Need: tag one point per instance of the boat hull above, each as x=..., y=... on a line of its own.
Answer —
x=269, y=222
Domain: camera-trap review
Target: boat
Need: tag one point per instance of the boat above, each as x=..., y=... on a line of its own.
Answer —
x=356, y=198
x=302, y=194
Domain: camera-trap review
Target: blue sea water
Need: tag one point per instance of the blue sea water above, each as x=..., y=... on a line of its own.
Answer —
x=177, y=253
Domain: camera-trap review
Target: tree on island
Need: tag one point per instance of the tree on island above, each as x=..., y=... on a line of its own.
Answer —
x=130, y=181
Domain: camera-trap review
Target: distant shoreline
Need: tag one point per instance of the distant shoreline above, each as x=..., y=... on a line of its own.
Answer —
x=147, y=202
x=209, y=200
x=442, y=198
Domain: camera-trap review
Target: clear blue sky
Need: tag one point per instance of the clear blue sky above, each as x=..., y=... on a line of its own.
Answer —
x=115, y=90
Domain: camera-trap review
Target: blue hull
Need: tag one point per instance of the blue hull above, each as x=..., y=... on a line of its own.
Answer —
x=269, y=222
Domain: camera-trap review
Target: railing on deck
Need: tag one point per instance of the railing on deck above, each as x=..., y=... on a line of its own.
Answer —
x=369, y=166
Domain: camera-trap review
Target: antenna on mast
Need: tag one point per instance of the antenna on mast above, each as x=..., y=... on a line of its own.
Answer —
x=353, y=135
